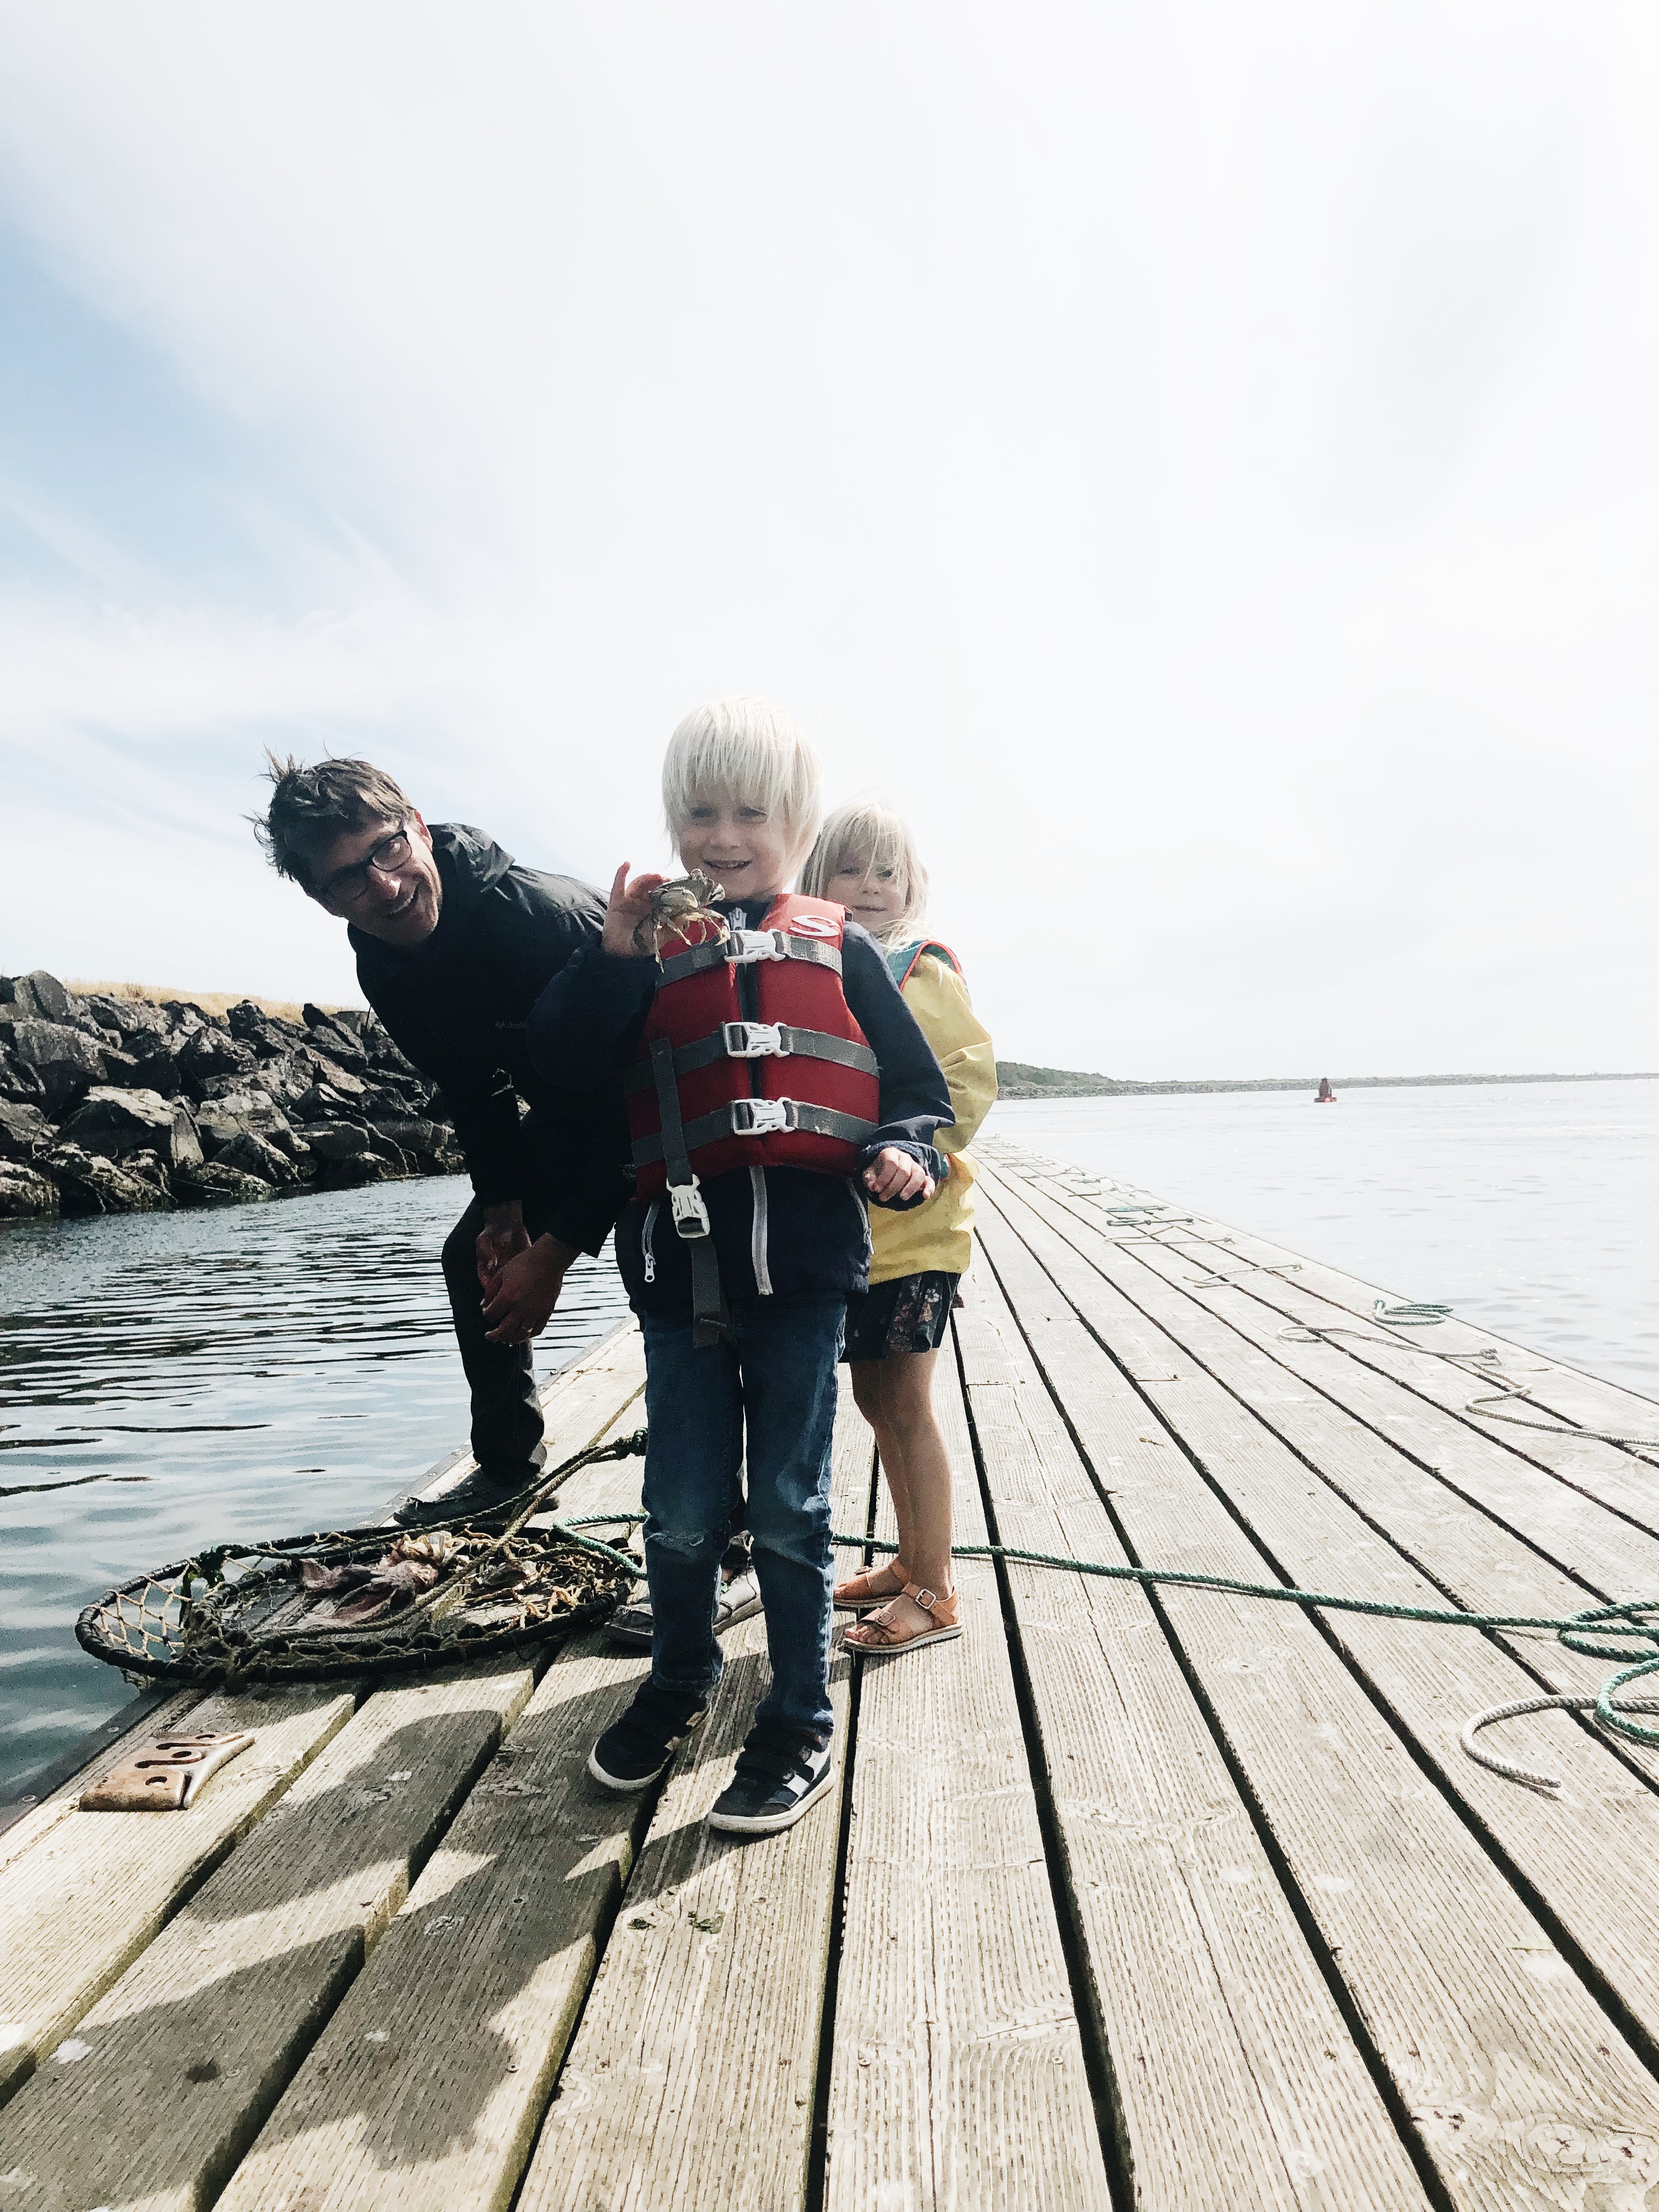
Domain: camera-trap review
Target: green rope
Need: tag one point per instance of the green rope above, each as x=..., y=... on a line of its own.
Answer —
x=1587, y=1633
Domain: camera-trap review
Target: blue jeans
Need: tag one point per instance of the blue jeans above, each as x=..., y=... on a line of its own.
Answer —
x=779, y=1386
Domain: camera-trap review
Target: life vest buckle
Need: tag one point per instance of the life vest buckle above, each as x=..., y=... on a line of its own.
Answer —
x=754, y=1040
x=762, y=1117
x=745, y=946
x=690, y=1212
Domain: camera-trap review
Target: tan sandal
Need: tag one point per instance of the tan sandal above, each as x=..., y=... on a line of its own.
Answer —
x=855, y=1593
x=886, y=1636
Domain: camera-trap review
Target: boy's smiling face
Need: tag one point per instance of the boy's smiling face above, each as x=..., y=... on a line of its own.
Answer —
x=746, y=851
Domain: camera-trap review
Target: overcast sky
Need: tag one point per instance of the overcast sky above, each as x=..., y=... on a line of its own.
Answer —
x=1200, y=460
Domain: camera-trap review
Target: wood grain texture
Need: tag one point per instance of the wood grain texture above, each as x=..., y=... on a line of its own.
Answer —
x=1617, y=1477
x=957, y=2074
x=1522, y=2090
x=691, y=2078
x=425, y=2091
x=1236, y=2080
x=1585, y=1854
x=78, y=1907
x=179, y=2062
x=40, y=1817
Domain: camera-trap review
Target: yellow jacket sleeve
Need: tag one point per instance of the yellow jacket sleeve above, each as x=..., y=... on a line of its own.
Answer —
x=939, y=1235
x=938, y=997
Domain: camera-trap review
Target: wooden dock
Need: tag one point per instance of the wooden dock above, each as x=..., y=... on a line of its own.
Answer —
x=1166, y=1898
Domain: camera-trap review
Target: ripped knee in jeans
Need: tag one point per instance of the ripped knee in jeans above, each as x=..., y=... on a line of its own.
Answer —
x=687, y=1542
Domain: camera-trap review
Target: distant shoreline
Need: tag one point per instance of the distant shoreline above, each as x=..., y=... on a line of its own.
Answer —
x=1019, y=1079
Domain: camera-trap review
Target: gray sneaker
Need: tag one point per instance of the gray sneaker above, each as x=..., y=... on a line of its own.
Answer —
x=740, y=1597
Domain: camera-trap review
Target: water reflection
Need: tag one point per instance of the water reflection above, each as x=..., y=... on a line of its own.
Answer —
x=264, y=1370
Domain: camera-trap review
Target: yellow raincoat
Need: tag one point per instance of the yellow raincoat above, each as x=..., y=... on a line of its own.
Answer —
x=939, y=1235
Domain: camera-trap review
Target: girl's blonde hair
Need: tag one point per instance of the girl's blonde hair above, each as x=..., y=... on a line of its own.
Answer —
x=867, y=835
x=749, y=751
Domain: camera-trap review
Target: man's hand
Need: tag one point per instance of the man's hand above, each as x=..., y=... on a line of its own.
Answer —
x=629, y=905
x=894, y=1174
x=503, y=1238
x=524, y=1291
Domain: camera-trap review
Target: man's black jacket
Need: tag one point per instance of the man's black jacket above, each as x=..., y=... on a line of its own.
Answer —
x=458, y=1004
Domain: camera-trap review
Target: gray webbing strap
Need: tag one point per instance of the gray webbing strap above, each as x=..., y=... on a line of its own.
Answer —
x=716, y=953
x=798, y=1044
x=715, y=1128
x=711, y=1322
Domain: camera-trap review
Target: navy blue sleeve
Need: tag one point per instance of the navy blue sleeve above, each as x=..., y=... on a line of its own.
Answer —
x=585, y=1024
x=916, y=1099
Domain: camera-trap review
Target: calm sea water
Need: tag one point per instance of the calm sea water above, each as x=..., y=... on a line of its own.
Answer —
x=1532, y=1208
x=265, y=1371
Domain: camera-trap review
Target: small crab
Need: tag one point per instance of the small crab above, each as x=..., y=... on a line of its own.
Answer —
x=675, y=906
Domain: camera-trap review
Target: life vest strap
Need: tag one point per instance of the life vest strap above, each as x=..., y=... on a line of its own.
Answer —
x=745, y=946
x=711, y=1319
x=751, y=1117
x=758, y=1041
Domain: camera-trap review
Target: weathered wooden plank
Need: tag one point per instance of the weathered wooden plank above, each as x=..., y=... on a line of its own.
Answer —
x=1618, y=1478
x=578, y=1403
x=1235, y=2080
x=175, y=2068
x=425, y=2090
x=80, y=1906
x=690, y=2081
x=1581, y=1522
x=33, y=1817
x=957, y=2074
x=1584, y=1855
x=1520, y=2088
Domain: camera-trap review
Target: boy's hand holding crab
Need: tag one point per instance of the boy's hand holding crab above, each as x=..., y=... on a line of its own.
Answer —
x=626, y=912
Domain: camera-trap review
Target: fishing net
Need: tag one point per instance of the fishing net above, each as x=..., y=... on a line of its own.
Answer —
x=368, y=1601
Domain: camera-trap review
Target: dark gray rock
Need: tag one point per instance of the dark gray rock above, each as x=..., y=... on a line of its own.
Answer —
x=115, y=1122
x=23, y=1192
x=338, y=1041
x=24, y=1131
x=18, y=1084
x=65, y=1061
x=39, y=997
x=129, y=1017
x=360, y=1168
x=236, y=1110
x=88, y=1183
x=207, y=1053
x=339, y=1079
x=347, y=1140
x=251, y=1155
x=430, y=1145
x=215, y=1185
x=150, y=1168
x=267, y=1035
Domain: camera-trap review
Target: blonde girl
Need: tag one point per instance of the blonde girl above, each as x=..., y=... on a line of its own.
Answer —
x=866, y=860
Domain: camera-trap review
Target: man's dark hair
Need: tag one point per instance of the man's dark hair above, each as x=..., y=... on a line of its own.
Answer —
x=310, y=807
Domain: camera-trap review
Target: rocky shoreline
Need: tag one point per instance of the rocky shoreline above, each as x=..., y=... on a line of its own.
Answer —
x=113, y=1105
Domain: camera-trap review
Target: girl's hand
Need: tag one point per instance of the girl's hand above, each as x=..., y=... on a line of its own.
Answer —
x=629, y=906
x=894, y=1174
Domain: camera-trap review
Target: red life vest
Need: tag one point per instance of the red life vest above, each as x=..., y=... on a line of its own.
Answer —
x=768, y=1068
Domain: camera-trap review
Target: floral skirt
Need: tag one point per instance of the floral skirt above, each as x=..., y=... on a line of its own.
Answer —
x=907, y=1315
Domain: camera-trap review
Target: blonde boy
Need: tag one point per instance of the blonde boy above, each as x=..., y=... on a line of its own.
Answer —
x=758, y=1136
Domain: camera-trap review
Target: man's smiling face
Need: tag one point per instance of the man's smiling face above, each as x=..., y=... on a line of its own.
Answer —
x=383, y=879
x=746, y=850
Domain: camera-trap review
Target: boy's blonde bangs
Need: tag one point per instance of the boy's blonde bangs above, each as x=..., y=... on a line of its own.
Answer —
x=749, y=751
x=867, y=834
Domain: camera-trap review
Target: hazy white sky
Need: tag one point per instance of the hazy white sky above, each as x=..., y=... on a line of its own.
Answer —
x=1200, y=460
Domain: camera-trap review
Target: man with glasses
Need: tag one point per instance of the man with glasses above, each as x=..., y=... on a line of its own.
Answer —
x=455, y=941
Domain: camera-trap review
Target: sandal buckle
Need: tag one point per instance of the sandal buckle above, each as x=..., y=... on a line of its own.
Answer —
x=925, y=1598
